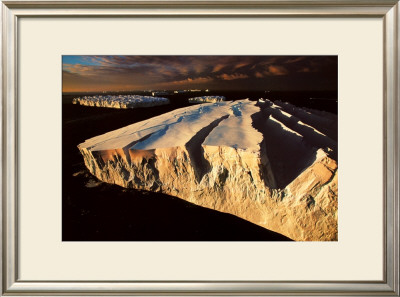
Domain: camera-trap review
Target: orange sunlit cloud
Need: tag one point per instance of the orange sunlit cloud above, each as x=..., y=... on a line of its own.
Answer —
x=233, y=76
x=277, y=70
x=240, y=65
x=198, y=80
x=218, y=67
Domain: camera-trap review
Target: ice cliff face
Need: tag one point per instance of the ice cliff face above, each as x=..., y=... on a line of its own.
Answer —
x=271, y=164
x=120, y=101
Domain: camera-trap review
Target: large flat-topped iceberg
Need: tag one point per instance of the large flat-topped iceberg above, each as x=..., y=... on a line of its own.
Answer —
x=208, y=99
x=120, y=101
x=270, y=164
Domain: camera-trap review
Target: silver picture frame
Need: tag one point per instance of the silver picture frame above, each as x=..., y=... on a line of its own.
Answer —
x=13, y=11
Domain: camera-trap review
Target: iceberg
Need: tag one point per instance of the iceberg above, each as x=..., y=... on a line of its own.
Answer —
x=208, y=99
x=270, y=163
x=120, y=101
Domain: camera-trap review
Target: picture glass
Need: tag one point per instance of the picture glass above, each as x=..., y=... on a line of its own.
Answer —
x=199, y=148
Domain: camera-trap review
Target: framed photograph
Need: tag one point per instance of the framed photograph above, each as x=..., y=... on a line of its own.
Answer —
x=210, y=130
x=200, y=148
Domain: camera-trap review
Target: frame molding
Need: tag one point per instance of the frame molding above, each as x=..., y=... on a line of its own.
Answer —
x=13, y=10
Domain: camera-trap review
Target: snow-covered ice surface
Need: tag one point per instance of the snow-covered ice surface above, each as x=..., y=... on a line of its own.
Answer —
x=120, y=101
x=191, y=116
x=270, y=163
x=237, y=130
x=207, y=99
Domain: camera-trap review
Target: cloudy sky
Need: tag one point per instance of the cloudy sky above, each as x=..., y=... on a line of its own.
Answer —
x=123, y=73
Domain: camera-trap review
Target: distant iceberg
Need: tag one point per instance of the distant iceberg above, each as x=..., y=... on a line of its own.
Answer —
x=207, y=99
x=120, y=101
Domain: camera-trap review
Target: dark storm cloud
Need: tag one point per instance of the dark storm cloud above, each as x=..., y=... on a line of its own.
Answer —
x=96, y=73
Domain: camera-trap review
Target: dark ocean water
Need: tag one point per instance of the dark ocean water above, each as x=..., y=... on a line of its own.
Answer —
x=93, y=210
